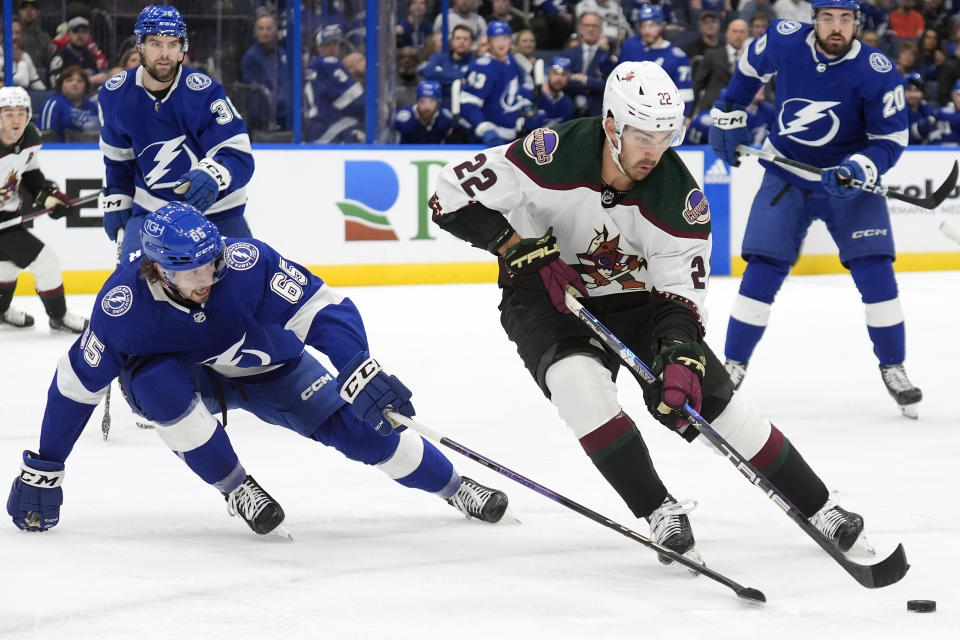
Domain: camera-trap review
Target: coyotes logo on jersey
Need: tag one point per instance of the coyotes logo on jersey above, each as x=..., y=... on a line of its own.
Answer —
x=605, y=263
x=9, y=188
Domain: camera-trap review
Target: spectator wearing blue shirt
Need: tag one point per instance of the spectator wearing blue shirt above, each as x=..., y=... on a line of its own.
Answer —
x=425, y=122
x=920, y=114
x=265, y=64
x=335, y=104
x=446, y=68
x=554, y=106
x=412, y=31
x=947, y=132
x=70, y=108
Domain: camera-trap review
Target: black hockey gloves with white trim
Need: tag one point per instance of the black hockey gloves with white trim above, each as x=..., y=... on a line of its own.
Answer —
x=728, y=129
x=539, y=275
x=365, y=385
x=680, y=367
x=36, y=496
x=50, y=197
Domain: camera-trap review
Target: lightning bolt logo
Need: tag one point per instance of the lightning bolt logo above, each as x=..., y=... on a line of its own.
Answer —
x=808, y=114
x=168, y=152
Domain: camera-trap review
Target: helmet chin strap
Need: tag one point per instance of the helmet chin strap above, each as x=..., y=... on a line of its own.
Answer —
x=615, y=149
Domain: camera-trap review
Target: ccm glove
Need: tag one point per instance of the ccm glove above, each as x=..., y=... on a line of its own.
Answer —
x=201, y=186
x=729, y=129
x=540, y=276
x=372, y=392
x=49, y=197
x=36, y=496
x=680, y=367
x=836, y=181
x=116, y=209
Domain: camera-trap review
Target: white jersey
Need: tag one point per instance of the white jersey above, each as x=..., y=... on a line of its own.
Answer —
x=655, y=237
x=15, y=160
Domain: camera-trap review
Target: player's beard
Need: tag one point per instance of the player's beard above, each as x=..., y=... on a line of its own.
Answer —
x=834, y=49
x=167, y=77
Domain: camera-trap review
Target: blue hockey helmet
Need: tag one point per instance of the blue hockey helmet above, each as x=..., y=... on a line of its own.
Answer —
x=498, y=28
x=561, y=63
x=160, y=20
x=429, y=89
x=852, y=5
x=913, y=79
x=650, y=13
x=179, y=238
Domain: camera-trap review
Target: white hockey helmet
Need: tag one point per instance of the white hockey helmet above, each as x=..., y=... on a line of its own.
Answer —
x=15, y=97
x=642, y=95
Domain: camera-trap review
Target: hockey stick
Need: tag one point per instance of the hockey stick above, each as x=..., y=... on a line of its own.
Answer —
x=747, y=593
x=12, y=222
x=106, y=421
x=537, y=88
x=950, y=232
x=886, y=572
x=932, y=201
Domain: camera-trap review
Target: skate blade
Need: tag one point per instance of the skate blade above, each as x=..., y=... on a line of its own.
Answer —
x=862, y=547
x=911, y=411
x=693, y=555
x=144, y=425
x=281, y=531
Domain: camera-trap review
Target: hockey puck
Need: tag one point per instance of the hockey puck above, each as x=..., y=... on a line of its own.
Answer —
x=922, y=606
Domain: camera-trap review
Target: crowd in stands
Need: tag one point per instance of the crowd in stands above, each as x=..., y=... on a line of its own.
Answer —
x=447, y=84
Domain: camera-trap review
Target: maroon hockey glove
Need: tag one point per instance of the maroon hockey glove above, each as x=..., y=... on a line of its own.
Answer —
x=680, y=366
x=50, y=196
x=539, y=275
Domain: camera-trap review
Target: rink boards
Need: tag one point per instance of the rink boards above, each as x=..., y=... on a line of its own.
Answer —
x=360, y=215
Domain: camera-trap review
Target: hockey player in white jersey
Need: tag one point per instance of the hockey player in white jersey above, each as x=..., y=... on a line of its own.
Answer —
x=604, y=204
x=20, y=249
x=169, y=132
x=202, y=324
x=840, y=106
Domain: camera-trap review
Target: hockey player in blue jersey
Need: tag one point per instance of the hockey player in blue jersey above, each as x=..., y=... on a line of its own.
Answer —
x=425, y=122
x=760, y=115
x=202, y=324
x=493, y=96
x=335, y=105
x=554, y=106
x=840, y=106
x=169, y=132
x=921, y=116
x=650, y=45
x=947, y=127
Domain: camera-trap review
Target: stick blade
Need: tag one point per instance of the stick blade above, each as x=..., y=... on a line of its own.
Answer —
x=946, y=188
x=751, y=594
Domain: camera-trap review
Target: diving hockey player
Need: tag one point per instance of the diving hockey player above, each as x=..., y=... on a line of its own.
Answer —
x=20, y=249
x=604, y=204
x=169, y=132
x=840, y=106
x=202, y=324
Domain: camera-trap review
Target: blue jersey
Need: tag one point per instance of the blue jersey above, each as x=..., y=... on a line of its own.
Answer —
x=826, y=108
x=149, y=143
x=335, y=105
x=59, y=114
x=923, y=121
x=672, y=58
x=759, y=118
x=253, y=328
x=551, y=111
x=494, y=93
x=947, y=126
x=444, y=69
x=413, y=131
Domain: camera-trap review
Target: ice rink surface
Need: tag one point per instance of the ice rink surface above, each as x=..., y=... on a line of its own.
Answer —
x=145, y=550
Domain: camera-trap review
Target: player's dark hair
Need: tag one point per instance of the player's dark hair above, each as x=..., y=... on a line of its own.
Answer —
x=463, y=27
x=146, y=270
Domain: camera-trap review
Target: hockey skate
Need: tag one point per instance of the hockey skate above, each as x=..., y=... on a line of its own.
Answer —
x=474, y=500
x=69, y=323
x=16, y=318
x=841, y=527
x=670, y=527
x=908, y=396
x=257, y=508
x=736, y=370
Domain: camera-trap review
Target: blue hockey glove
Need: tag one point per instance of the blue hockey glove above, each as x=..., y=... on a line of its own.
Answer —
x=116, y=209
x=36, y=496
x=371, y=391
x=854, y=167
x=201, y=186
x=728, y=129
x=491, y=139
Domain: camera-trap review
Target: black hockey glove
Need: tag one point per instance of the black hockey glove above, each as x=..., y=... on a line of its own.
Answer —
x=51, y=196
x=680, y=367
x=539, y=275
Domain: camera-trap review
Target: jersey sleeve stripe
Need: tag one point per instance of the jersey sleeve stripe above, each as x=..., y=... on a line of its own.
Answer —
x=347, y=97
x=240, y=142
x=468, y=98
x=748, y=70
x=302, y=320
x=117, y=154
x=901, y=137
x=142, y=197
x=70, y=387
